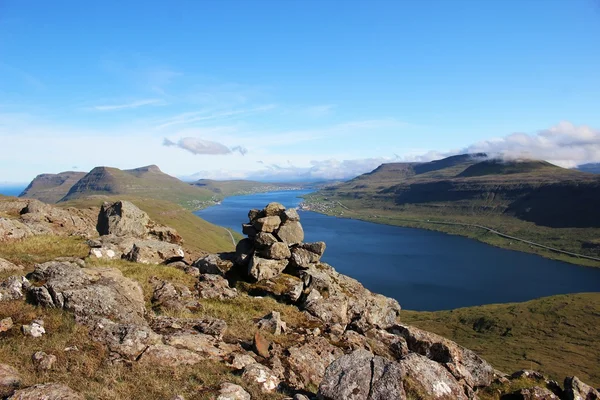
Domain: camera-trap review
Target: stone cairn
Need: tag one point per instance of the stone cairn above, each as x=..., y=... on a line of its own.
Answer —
x=274, y=243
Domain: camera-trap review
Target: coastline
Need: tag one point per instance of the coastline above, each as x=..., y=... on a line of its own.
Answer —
x=477, y=232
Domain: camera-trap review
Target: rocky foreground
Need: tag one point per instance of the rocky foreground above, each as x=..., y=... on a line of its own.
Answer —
x=350, y=345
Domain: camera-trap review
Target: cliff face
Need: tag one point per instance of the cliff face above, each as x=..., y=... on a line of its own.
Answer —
x=50, y=188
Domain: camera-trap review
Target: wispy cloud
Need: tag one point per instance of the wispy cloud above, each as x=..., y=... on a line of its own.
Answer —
x=201, y=146
x=124, y=106
x=197, y=116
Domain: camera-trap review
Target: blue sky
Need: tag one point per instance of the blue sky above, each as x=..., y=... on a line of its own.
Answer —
x=293, y=88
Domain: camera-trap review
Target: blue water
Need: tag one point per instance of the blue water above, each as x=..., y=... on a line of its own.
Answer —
x=423, y=270
x=11, y=190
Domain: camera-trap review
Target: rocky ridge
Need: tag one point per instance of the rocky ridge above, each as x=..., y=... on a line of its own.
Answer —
x=353, y=346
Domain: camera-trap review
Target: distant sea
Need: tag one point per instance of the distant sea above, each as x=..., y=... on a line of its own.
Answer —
x=12, y=190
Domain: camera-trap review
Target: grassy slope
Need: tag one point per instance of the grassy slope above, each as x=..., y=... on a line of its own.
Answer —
x=145, y=182
x=50, y=188
x=121, y=381
x=199, y=236
x=238, y=187
x=558, y=335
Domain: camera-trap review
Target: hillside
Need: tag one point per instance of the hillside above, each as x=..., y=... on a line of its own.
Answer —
x=145, y=182
x=593, y=168
x=240, y=187
x=529, y=199
x=526, y=335
x=50, y=188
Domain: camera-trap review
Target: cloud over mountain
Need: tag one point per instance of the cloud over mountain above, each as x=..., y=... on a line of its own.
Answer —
x=201, y=146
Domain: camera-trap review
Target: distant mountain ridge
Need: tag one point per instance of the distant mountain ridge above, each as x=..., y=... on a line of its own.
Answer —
x=593, y=168
x=531, y=190
x=50, y=188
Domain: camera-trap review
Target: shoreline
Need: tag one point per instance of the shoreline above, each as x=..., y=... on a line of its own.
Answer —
x=500, y=239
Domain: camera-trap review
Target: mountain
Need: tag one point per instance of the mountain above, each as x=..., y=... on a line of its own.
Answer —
x=50, y=188
x=528, y=199
x=144, y=182
x=237, y=187
x=593, y=168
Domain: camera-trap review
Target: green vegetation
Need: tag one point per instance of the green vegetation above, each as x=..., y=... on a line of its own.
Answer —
x=224, y=189
x=534, y=201
x=557, y=335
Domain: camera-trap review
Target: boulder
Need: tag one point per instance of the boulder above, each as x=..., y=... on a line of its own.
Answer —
x=290, y=215
x=262, y=268
x=172, y=325
x=155, y=252
x=214, y=287
x=239, y=361
x=249, y=230
x=534, y=393
x=302, y=257
x=255, y=214
x=13, y=288
x=206, y=346
x=261, y=345
x=122, y=218
x=164, y=233
x=276, y=251
x=171, y=296
x=12, y=229
x=362, y=376
x=262, y=376
x=291, y=232
x=267, y=224
x=169, y=356
x=6, y=324
x=577, y=390
x=124, y=341
x=429, y=379
x=273, y=209
x=43, y=219
x=463, y=363
x=243, y=252
x=213, y=264
x=264, y=239
x=10, y=380
x=309, y=360
x=229, y=391
x=7, y=266
x=47, y=391
x=89, y=293
x=42, y=361
x=35, y=329
x=272, y=323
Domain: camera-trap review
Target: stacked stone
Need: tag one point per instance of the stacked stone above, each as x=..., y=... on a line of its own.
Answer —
x=275, y=243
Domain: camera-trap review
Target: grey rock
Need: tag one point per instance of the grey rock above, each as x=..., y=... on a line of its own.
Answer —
x=262, y=376
x=309, y=360
x=10, y=380
x=124, y=341
x=47, y=391
x=43, y=361
x=13, y=288
x=243, y=252
x=155, y=252
x=170, y=356
x=272, y=323
x=291, y=232
x=213, y=264
x=264, y=239
x=6, y=324
x=463, y=363
x=575, y=389
x=207, y=346
x=12, y=229
x=274, y=209
x=35, y=329
x=123, y=218
x=215, y=287
x=261, y=268
x=290, y=215
x=255, y=214
x=171, y=296
x=276, y=251
x=534, y=393
x=362, y=376
x=303, y=258
x=422, y=376
x=229, y=391
x=7, y=266
x=172, y=325
x=239, y=361
x=267, y=224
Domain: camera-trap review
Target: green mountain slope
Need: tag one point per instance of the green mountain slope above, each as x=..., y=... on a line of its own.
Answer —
x=145, y=182
x=50, y=188
x=532, y=200
x=553, y=334
x=238, y=187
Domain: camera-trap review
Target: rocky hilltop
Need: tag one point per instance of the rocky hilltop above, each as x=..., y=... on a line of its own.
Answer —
x=134, y=319
x=50, y=188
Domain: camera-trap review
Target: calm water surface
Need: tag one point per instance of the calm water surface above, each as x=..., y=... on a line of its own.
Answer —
x=423, y=270
x=11, y=190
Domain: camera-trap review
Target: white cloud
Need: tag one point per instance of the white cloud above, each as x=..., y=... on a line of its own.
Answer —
x=133, y=104
x=564, y=144
x=202, y=146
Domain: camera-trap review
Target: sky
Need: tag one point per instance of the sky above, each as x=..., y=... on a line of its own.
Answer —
x=294, y=89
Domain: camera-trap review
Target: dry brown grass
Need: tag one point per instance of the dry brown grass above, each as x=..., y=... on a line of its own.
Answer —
x=39, y=249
